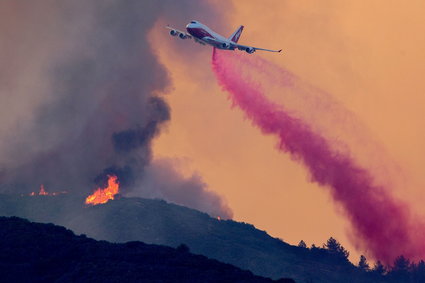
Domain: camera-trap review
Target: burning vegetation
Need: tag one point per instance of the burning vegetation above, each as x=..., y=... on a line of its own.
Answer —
x=43, y=192
x=104, y=195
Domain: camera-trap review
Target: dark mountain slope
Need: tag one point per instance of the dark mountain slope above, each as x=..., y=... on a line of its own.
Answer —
x=158, y=222
x=33, y=252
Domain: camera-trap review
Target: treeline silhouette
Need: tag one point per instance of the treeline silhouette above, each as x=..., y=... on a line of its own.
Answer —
x=402, y=270
x=33, y=252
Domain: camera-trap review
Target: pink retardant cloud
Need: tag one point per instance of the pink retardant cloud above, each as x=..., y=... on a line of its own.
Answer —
x=382, y=226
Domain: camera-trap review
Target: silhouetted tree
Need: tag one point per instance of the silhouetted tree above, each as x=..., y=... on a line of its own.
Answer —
x=302, y=244
x=334, y=247
x=401, y=264
x=419, y=272
x=400, y=270
x=363, y=264
x=379, y=268
x=421, y=266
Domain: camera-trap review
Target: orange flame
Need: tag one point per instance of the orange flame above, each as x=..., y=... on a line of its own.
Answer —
x=43, y=192
x=104, y=195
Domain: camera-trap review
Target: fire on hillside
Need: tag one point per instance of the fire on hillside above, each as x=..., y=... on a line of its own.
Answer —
x=104, y=195
x=43, y=192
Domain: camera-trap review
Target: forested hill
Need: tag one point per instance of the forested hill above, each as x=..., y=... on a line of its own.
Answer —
x=162, y=223
x=33, y=252
x=236, y=243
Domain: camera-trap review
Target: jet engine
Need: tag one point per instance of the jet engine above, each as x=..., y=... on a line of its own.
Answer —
x=250, y=50
x=225, y=45
x=173, y=32
x=182, y=36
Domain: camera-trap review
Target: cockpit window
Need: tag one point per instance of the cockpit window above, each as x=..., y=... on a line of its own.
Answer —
x=193, y=22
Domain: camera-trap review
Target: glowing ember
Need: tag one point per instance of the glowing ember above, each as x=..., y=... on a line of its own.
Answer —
x=106, y=194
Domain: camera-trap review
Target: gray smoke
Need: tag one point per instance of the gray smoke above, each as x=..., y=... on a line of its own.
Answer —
x=79, y=88
x=162, y=180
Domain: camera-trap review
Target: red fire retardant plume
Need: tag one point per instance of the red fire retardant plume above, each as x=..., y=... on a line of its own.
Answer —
x=381, y=225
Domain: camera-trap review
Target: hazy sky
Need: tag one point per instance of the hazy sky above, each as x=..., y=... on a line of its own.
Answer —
x=369, y=58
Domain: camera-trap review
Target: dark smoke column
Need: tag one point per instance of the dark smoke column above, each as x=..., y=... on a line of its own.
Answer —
x=94, y=85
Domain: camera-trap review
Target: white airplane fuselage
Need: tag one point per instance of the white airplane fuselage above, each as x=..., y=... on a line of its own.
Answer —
x=203, y=33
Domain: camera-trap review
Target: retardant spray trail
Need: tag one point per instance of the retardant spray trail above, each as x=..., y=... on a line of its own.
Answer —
x=382, y=226
x=324, y=114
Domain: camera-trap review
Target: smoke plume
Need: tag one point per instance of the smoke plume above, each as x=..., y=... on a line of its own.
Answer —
x=382, y=226
x=162, y=179
x=81, y=94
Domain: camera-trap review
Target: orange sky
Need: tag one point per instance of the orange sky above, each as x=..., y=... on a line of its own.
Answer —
x=369, y=57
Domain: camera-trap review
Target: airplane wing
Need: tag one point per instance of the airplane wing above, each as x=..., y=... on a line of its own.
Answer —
x=181, y=34
x=253, y=49
x=233, y=46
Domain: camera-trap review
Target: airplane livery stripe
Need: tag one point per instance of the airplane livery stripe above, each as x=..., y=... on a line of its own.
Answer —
x=199, y=32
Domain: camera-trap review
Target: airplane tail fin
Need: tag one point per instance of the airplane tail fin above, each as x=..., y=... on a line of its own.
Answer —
x=235, y=36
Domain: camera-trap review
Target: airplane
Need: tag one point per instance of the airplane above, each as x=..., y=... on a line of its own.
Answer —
x=202, y=34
